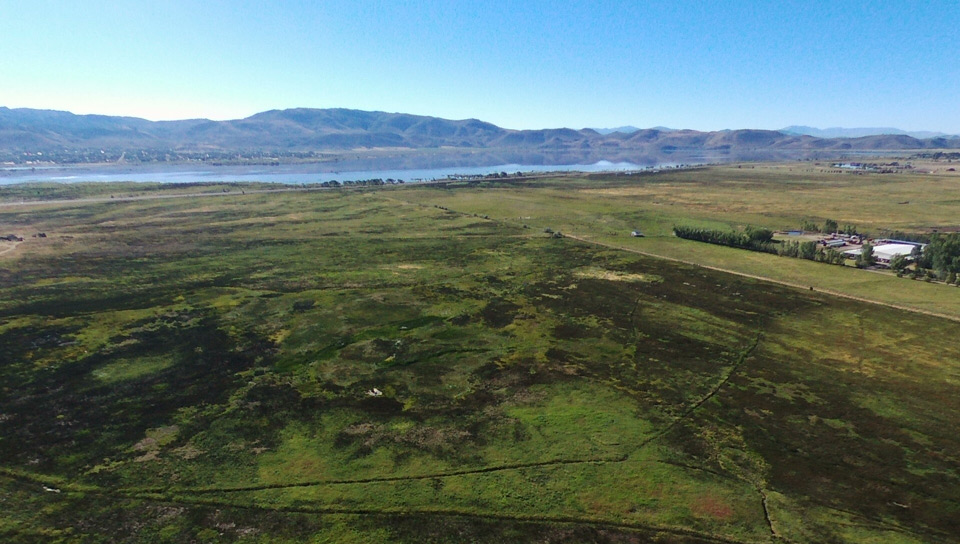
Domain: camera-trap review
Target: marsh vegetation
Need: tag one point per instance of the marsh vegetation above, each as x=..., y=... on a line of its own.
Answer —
x=426, y=364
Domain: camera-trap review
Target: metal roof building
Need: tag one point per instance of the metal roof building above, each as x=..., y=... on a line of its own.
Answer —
x=884, y=253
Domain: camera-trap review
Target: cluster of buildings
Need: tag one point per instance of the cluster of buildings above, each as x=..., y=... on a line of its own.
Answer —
x=838, y=240
x=884, y=249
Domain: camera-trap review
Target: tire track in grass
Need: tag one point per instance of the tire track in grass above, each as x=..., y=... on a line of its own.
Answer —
x=521, y=518
x=387, y=479
x=710, y=394
x=68, y=490
x=435, y=512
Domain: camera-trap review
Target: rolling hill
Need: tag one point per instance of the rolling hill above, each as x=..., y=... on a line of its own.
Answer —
x=65, y=136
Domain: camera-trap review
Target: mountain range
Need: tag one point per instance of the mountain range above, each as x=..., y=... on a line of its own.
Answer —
x=839, y=132
x=68, y=137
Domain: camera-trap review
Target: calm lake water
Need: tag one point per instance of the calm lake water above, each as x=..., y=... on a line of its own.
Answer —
x=291, y=174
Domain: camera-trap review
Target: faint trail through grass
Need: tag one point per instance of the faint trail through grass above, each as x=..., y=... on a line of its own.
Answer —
x=383, y=479
x=9, y=249
x=526, y=518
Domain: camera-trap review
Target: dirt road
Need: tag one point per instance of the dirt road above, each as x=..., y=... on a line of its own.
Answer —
x=766, y=279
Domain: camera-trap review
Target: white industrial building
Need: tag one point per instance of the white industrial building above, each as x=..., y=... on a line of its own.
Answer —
x=884, y=253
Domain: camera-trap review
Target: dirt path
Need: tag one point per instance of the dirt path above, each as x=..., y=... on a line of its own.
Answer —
x=9, y=249
x=766, y=279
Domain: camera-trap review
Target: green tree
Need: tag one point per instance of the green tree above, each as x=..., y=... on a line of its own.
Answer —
x=808, y=250
x=916, y=255
x=832, y=256
x=830, y=226
x=866, y=257
x=759, y=235
x=898, y=263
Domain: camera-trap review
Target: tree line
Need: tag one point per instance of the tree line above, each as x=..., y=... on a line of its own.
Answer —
x=810, y=251
x=754, y=238
x=761, y=239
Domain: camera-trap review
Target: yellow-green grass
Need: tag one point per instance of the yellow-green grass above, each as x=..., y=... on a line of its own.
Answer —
x=728, y=198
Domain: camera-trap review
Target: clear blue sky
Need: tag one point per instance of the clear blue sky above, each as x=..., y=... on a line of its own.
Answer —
x=519, y=64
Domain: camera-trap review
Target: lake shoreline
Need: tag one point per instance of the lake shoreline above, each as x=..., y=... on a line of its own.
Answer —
x=289, y=174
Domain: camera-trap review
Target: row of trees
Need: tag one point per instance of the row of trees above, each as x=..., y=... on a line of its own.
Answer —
x=810, y=251
x=760, y=239
x=756, y=239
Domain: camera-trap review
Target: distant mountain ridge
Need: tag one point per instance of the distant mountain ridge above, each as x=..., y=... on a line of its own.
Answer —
x=839, y=132
x=63, y=136
x=628, y=129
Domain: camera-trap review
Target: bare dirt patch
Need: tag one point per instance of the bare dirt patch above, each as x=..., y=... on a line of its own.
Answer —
x=595, y=273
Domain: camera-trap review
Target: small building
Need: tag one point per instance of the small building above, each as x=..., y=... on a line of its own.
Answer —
x=833, y=243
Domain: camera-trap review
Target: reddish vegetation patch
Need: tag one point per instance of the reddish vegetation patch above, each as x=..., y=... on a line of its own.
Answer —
x=710, y=505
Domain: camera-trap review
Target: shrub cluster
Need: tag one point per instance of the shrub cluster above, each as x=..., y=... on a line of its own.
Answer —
x=941, y=256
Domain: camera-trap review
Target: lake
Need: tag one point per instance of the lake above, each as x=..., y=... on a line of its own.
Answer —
x=289, y=174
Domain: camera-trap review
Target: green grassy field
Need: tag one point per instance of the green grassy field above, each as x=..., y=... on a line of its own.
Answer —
x=606, y=209
x=363, y=365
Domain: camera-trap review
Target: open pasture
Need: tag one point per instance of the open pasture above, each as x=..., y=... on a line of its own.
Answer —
x=363, y=365
x=780, y=196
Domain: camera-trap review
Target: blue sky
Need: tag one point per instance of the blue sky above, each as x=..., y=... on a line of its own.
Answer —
x=529, y=64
